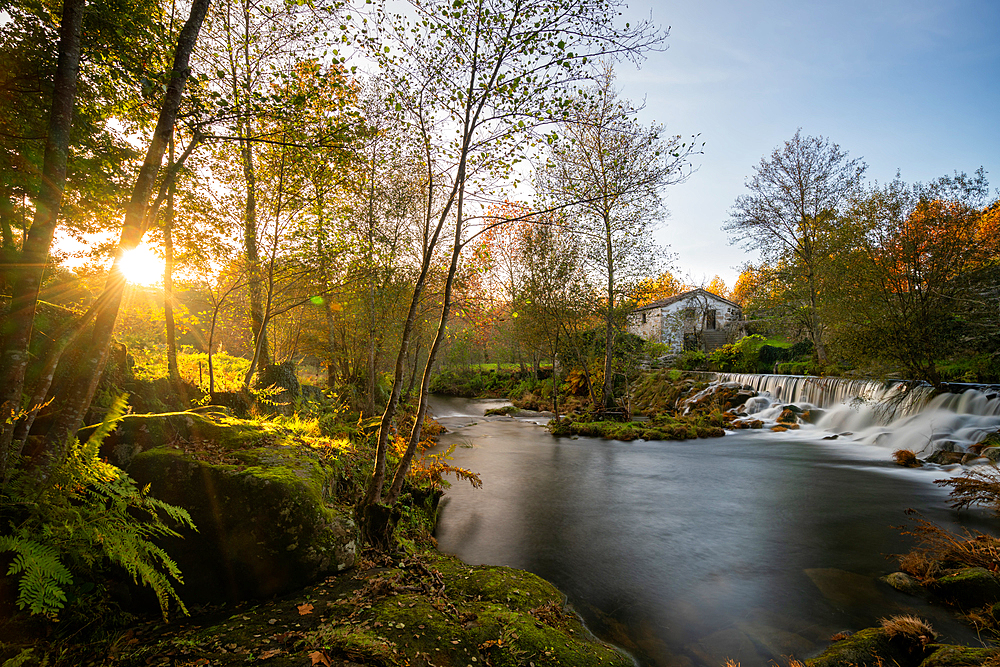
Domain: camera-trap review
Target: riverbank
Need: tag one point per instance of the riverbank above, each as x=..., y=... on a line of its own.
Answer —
x=413, y=607
x=419, y=609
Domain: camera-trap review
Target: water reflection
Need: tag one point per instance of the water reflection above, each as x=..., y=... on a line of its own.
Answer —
x=749, y=547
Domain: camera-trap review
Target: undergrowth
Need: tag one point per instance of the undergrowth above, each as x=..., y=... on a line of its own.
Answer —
x=66, y=530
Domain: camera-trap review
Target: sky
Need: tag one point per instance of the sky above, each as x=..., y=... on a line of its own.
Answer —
x=910, y=86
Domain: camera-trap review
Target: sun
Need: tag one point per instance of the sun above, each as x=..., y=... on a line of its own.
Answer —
x=141, y=266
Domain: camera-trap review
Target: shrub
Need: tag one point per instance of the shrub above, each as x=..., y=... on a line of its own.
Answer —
x=769, y=355
x=801, y=349
x=978, y=486
x=691, y=360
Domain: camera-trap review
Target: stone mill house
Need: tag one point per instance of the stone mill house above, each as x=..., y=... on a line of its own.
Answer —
x=693, y=320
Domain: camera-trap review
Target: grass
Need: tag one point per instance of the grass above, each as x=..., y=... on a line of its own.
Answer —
x=151, y=364
x=908, y=627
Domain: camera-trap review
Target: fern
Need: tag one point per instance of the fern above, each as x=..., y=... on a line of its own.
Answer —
x=42, y=575
x=88, y=513
x=23, y=658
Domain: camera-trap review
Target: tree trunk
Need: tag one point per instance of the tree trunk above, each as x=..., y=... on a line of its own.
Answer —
x=815, y=325
x=75, y=398
x=377, y=481
x=168, y=278
x=607, y=396
x=418, y=424
x=15, y=331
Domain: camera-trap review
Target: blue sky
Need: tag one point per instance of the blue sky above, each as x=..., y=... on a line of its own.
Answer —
x=909, y=86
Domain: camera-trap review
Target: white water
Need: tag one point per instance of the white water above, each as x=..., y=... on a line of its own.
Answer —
x=879, y=413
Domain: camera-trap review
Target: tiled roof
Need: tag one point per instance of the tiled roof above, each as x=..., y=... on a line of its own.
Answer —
x=683, y=297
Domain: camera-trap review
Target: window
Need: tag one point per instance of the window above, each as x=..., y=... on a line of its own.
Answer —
x=690, y=341
x=644, y=318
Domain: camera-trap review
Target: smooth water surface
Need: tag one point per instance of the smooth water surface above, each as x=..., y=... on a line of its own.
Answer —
x=753, y=546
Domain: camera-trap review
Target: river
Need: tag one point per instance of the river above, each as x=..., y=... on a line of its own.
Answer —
x=752, y=547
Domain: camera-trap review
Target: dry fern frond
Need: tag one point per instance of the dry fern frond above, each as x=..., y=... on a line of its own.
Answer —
x=971, y=548
x=978, y=486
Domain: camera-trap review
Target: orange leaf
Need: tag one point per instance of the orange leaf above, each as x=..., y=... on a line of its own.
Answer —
x=269, y=654
x=305, y=608
x=319, y=658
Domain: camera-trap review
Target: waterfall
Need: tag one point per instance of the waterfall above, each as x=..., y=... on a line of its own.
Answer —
x=886, y=413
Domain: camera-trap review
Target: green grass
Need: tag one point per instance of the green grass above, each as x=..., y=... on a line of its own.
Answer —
x=151, y=364
x=775, y=341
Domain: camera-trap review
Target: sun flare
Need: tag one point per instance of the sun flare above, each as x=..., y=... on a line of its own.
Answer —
x=142, y=266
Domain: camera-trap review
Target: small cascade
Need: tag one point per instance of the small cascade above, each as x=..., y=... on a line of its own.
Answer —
x=890, y=414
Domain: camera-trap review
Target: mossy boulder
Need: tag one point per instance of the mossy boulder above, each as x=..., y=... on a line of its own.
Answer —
x=139, y=433
x=904, y=583
x=947, y=655
x=969, y=587
x=422, y=610
x=260, y=499
x=475, y=615
x=788, y=416
x=871, y=647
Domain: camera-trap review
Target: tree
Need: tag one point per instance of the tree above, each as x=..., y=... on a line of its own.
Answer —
x=663, y=286
x=74, y=396
x=472, y=79
x=611, y=171
x=912, y=286
x=790, y=212
x=250, y=45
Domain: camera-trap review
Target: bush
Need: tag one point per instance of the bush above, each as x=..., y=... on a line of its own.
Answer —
x=691, y=360
x=801, y=349
x=769, y=355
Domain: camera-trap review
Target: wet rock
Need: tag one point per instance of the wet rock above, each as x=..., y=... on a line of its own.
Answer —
x=992, y=453
x=945, y=655
x=784, y=426
x=945, y=457
x=970, y=587
x=868, y=647
x=904, y=583
x=831, y=437
x=813, y=416
x=788, y=416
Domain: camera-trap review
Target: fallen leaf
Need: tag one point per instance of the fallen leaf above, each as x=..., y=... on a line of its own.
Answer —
x=319, y=658
x=305, y=608
x=269, y=654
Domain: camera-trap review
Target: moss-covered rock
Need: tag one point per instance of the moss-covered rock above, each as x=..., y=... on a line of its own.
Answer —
x=424, y=610
x=440, y=611
x=261, y=501
x=947, y=655
x=871, y=647
x=904, y=583
x=969, y=587
x=138, y=433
